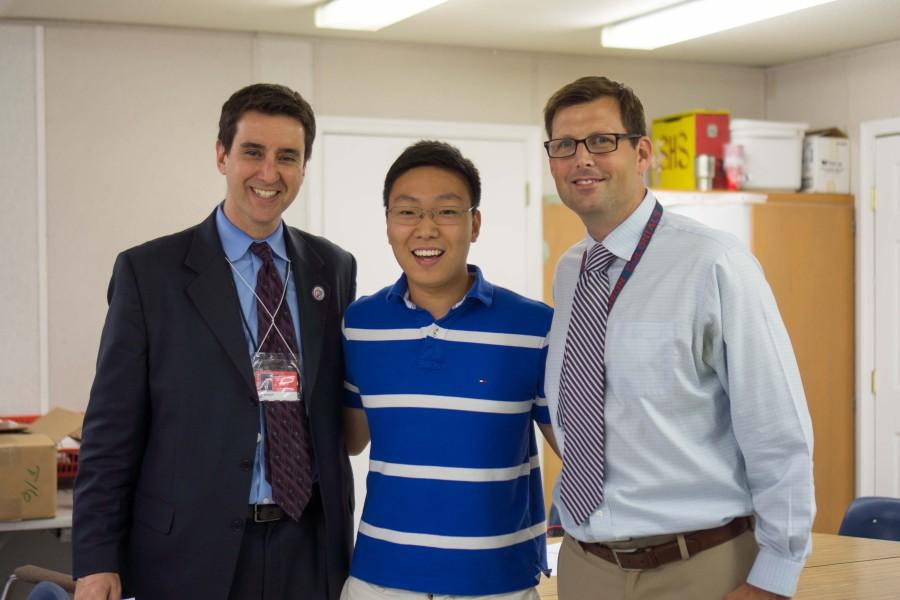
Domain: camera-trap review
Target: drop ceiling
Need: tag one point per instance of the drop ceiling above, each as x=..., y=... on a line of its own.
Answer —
x=555, y=26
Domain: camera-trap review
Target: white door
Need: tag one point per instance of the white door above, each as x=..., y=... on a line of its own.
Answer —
x=887, y=316
x=353, y=210
x=345, y=183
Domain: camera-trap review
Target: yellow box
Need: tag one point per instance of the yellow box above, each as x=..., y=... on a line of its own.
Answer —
x=677, y=139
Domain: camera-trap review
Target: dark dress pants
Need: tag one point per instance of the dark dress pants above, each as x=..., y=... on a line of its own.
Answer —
x=283, y=560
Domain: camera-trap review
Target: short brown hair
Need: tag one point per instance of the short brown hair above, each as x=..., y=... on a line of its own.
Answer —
x=268, y=99
x=588, y=89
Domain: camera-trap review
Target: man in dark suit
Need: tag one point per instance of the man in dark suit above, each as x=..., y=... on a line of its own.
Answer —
x=190, y=486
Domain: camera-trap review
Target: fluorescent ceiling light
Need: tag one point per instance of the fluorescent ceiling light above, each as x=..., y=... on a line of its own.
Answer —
x=369, y=15
x=695, y=19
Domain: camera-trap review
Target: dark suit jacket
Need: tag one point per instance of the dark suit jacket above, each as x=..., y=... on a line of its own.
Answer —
x=171, y=427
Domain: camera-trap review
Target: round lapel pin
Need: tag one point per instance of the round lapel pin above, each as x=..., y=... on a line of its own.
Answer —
x=318, y=293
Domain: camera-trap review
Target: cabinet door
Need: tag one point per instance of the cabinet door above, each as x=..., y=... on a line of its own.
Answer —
x=805, y=247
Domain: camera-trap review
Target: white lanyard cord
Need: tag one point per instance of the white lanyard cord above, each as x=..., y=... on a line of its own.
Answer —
x=266, y=308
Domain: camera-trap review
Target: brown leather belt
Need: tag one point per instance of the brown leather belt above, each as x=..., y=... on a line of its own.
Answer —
x=265, y=513
x=650, y=557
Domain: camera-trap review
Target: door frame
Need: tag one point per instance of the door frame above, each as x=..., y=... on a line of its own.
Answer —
x=869, y=132
x=528, y=134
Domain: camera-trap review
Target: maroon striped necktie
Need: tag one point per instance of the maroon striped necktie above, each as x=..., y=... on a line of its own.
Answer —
x=288, y=456
x=581, y=389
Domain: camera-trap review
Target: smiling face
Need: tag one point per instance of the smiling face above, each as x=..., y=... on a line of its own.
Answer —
x=603, y=189
x=433, y=257
x=263, y=171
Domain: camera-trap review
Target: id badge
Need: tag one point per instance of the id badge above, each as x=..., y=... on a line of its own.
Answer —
x=277, y=377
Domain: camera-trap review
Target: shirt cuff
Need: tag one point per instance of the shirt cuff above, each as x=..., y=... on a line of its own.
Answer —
x=351, y=398
x=775, y=573
x=541, y=414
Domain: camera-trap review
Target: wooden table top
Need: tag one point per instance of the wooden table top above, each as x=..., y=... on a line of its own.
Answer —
x=831, y=549
x=840, y=568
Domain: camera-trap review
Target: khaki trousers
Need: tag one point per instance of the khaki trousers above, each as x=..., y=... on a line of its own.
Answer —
x=357, y=589
x=709, y=575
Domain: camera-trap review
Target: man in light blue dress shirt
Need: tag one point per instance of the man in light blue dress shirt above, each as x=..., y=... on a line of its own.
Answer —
x=707, y=488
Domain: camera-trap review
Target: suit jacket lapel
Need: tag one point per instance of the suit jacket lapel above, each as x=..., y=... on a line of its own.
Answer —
x=214, y=295
x=308, y=270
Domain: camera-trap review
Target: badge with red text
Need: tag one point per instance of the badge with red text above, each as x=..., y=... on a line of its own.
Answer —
x=277, y=378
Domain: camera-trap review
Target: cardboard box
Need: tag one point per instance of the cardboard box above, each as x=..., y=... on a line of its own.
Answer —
x=826, y=161
x=677, y=139
x=28, y=466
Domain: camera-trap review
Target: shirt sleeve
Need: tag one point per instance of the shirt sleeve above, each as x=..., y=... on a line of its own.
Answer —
x=540, y=412
x=351, y=397
x=115, y=431
x=769, y=416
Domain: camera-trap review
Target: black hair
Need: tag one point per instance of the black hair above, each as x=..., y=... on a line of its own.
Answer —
x=431, y=153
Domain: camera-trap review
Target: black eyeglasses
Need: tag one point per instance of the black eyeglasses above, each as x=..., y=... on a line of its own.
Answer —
x=597, y=143
x=413, y=215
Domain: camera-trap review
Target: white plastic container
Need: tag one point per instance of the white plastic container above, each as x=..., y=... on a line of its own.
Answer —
x=773, y=153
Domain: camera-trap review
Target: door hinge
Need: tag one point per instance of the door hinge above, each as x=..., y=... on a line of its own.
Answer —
x=527, y=194
x=873, y=199
x=874, y=383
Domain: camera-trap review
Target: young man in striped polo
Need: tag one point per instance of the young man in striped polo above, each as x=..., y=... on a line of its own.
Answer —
x=446, y=372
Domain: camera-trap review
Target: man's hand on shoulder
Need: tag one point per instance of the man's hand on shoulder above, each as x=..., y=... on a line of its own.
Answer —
x=99, y=586
x=751, y=592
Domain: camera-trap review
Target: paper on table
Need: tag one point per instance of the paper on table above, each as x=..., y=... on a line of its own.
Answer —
x=553, y=556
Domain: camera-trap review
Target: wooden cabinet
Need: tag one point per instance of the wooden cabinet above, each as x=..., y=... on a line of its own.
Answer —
x=804, y=243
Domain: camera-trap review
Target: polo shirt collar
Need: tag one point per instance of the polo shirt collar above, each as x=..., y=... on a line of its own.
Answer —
x=236, y=243
x=481, y=289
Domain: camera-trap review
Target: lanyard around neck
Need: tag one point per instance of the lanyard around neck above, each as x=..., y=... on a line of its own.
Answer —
x=259, y=302
x=631, y=265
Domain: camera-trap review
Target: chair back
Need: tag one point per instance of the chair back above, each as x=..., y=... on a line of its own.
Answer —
x=873, y=517
x=47, y=590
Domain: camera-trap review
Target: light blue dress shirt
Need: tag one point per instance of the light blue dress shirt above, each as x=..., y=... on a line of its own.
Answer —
x=236, y=245
x=706, y=419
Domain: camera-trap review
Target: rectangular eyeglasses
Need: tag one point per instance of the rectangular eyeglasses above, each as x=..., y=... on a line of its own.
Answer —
x=597, y=143
x=413, y=215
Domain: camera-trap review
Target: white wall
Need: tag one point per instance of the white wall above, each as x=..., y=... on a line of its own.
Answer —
x=843, y=90
x=131, y=117
x=20, y=373
x=368, y=79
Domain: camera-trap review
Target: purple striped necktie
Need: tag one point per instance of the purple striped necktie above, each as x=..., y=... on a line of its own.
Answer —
x=581, y=389
x=288, y=456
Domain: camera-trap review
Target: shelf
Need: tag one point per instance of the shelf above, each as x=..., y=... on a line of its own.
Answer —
x=719, y=197
x=713, y=197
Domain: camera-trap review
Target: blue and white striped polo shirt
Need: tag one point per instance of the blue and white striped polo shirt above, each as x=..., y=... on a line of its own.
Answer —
x=454, y=503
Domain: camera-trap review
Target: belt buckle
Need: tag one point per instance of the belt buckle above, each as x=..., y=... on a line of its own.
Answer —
x=257, y=509
x=617, y=551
